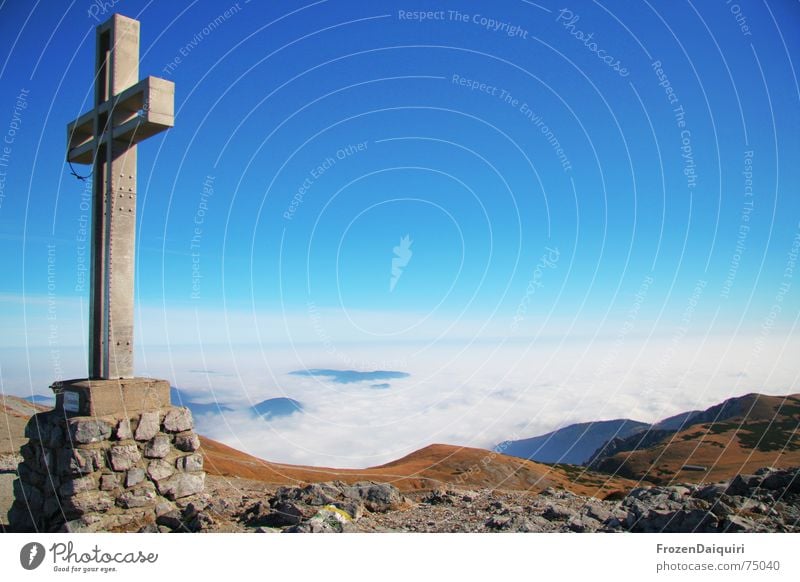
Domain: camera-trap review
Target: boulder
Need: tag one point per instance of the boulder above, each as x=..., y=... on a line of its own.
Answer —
x=329, y=519
x=742, y=484
x=597, y=512
x=123, y=431
x=33, y=498
x=148, y=426
x=258, y=514
x=187, y=442
x=284, y=513
x=140, y=496
x=711, y=492
x=189, y=463
x=556, y=512
x=159, y=469
x=124, y=457
x=737, y=524
x=777, y=481
x=182, y=485
x=79, y=461
x=84, y=430
x=77, y=485
x=158, y=447
x=172, y=519
x=87, y=502
x=178, y=420
x=353, y=508
x=109, y=482
x=682, y=521
x=375, y=496
x=134, y=476
x=313, y=494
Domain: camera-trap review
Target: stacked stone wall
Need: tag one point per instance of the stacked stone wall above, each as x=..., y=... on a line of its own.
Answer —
x=111, y=473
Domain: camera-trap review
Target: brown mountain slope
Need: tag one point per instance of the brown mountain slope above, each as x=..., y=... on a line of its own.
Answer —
x=14, y=414
x=428, y=468
x=750, y=432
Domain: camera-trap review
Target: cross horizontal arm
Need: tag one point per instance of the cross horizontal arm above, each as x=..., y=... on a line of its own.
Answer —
x=137, y=113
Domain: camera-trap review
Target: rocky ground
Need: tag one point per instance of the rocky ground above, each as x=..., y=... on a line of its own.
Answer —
x=768, y=501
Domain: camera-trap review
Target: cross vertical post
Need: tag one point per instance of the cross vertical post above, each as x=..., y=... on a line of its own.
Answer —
x=125, y=112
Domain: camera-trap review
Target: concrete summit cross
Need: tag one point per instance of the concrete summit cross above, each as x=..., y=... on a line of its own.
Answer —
x=126, y=111
x=114, y=454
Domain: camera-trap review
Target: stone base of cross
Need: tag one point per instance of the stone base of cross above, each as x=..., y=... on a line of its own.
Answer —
x=102, y=397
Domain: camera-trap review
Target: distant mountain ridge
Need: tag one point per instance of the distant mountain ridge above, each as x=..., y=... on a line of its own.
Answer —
x=573, y=444
x=735, y=436
x=708, y=438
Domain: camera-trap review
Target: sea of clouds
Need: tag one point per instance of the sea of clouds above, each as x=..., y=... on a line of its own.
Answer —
x=477, y=391
x=476, y=396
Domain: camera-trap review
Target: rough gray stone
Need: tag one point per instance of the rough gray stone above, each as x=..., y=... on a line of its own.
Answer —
x=578, y=525
x=556, y=512
x=313, y=526
x=79, y=461
x=682, y=521
x=77, y=485
x=134, y=476
x=172, y=519
x=353, y=507
x=148, y=426
x=51, y=506
x=38, y=427
x=31, y=495
x=158, y=447
x=83, y=430
x=319, y=494
x=28, y=475
x=738, y=524
x=187, y=442
x=164, y=507
x=43, y=427
x=375, y=496
x=597, y=512
x=498, y=522
x=324, y=521
x=87, y=502
x=178, y=420
x=260, y=513
x=85, y=524
x=140, y=496
x=109, y=482
x=777, y=480
x=711, y=492
x=124, y=432
x=741, y=484
x=29, y=452
x=285, y=513
x=182, y=485
x=56, y=440
x=21, y=519
x=191, y=463
x=159, y=470
x=124, y=457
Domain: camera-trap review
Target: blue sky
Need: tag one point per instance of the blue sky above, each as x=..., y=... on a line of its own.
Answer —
x=563, y=172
